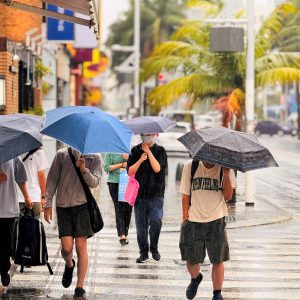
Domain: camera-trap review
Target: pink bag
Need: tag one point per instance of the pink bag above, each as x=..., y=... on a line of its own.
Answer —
x=132, y=190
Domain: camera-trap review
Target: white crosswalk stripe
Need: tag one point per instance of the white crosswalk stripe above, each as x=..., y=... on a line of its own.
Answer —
x=262, y=268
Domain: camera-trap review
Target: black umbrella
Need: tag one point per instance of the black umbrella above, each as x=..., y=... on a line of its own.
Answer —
x=149, y=124
x=19, y=133
x=232, y=149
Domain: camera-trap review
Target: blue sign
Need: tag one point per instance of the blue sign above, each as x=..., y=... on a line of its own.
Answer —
x=60, y=30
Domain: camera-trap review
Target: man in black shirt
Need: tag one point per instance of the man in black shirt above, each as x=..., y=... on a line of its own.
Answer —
x=149, y=161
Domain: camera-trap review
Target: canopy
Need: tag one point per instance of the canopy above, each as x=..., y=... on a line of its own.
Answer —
x=85, y=7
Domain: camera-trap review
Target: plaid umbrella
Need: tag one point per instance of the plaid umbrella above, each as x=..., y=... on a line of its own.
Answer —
x=149, y=124
x=232, y=149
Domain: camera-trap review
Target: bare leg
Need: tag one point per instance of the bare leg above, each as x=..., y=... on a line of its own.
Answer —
x=82, y=265
x=217, y=276
x=194, y=270
x=67, y=244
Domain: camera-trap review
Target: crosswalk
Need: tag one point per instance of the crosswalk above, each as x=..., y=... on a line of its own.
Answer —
x=265, y=264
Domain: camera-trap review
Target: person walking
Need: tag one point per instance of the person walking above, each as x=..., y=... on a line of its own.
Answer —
x=149, y=163
x=11, y=172
x=36, y=163
x=205, y=187
x=73, y=218
x=113, y=164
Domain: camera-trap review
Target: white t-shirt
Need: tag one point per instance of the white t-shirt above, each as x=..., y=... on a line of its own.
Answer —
x=207, y=200
x=33, y=164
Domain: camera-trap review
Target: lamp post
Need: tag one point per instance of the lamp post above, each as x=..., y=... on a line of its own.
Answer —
x=250, y=93
x=137, y=34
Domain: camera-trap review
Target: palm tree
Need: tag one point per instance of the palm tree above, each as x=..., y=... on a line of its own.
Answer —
x=159, y=20
x=203, y=74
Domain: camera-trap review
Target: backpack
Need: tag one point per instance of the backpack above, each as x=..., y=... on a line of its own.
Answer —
x=29, y=242
x=195, y=164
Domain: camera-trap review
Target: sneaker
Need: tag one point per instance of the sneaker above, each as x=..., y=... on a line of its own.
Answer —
x=192, y=289
x=217, y=297
x=68, y=275
x=124, y=242
x=5, y=279
x=79, y=294
x=142, y=258
x=155, y=255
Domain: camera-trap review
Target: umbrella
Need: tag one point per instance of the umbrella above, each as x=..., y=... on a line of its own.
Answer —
x=149, y=124
x=232, y=149
x=87, y=129
x=19, y=133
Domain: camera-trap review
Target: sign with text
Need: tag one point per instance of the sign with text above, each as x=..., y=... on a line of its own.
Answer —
x=60, y=30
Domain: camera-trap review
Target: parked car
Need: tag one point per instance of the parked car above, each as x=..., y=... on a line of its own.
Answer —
x=204, y=121
x=272, y=128
x=169, y=139
x=182, y=116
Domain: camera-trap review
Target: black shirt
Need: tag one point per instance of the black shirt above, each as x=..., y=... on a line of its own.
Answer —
x=151, y=184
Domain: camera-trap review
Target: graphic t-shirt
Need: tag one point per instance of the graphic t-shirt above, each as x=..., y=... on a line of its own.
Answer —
x=207, y=200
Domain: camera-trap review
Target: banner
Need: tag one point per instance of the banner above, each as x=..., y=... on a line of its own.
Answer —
x=59, y=30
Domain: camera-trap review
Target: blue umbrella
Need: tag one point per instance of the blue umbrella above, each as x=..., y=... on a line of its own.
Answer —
x=149, y=124
x=19, y=133
x=87, y=129
x=232, y=149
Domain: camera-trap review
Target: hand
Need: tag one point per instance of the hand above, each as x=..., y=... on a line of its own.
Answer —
x=184, y=218
x=143, y=157
x=48, y=214
x=28, y=202
x=125, y=156
x=146, y=148
x=81, y=164
x=43, y=202
x=3, y=177
x=124, y=164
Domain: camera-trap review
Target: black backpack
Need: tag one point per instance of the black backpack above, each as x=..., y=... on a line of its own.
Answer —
x=29, y=242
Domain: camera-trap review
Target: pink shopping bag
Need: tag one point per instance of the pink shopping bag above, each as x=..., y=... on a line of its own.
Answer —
x=132, y=190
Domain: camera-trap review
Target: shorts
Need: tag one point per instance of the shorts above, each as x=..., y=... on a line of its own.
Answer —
x=74, y=221
x=197, y=238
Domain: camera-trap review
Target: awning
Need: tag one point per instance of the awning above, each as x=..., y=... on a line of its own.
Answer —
x=85, y=7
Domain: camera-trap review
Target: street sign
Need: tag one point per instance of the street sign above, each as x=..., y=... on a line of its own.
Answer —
x=60, y=30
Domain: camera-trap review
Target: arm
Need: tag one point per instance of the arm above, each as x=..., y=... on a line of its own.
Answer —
x=91, y=175
x=108, y=165
x=134, y=168
x=42, y=183
x=185, y=206
x=24, y=189
x=153, y=162
x=227, y=187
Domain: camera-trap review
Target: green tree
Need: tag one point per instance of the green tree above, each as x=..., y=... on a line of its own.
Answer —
x=159, y=19
x=202, y=74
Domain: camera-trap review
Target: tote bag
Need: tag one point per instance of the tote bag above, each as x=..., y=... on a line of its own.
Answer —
x=132, y=190
x=123, y=182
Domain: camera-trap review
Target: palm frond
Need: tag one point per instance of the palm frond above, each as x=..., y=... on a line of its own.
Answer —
x=195, y=85
x=236, y=101
x=176, y=48
x=209, y=8
x=279, y=75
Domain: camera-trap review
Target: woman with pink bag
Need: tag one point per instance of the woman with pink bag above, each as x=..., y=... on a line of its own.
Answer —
x=148, y=161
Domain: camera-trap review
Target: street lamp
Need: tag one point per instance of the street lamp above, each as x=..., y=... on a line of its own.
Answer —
x=2, y=93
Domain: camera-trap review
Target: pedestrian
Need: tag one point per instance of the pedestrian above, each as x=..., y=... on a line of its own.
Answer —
x=149, y=163
x=205, y=187
x=73, y=219
x=12, y=172
x=113, y=164
x=36, y=163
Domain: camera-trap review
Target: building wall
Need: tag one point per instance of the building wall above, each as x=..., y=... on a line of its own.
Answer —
x=14, y=23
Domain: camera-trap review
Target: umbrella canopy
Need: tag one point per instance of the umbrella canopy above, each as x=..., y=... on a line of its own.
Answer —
x=232, y=149
x=149, y=124
x=19, y=133
x=87, y=129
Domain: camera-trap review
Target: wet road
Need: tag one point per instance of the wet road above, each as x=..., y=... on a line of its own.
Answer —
x=265, y=260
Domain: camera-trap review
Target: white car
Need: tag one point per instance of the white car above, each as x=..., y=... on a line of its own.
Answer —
x=204, y=121
x=169, y=138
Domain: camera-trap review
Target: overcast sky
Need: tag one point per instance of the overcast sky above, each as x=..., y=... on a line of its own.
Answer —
x=111, y=11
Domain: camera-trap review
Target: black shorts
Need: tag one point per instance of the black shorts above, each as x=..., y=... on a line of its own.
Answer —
x=197, y=238
x=74, y=221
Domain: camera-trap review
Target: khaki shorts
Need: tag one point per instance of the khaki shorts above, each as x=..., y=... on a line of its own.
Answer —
x=197, y=238
x=74, y=221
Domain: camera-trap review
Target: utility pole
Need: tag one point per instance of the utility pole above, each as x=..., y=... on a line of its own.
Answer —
x=250, y=94
x=137, y=34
